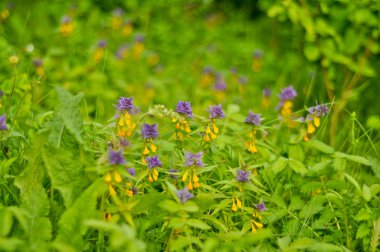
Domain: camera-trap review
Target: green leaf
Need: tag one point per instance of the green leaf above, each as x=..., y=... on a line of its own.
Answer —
x=354, y=158
x=279, y=165
x=363, y=231
x=311, y=52
x=65, y=172
x=320, y=146
x=71, y=225
x=68, y=109
x=197, y=224
x=216, y=223
x=297, y=166
x=366, y=193
x=353, y=181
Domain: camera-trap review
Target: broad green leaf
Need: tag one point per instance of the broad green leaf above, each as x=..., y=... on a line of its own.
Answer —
x=279, y=165
x=366, y=193
x=197, y=224
x=68, y=109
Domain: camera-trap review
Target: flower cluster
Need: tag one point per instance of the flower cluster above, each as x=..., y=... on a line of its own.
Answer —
x=67, y=26
x=3, y=124
x=184, y=109
x=313, y=119
x=113, y=177
x=125, y=108
x=153, y=163
x=212, y=130
x=287, y=95
x=253, y=120
x=193, y=161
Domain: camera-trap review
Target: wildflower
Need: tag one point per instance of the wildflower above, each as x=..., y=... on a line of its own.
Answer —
x=100, y=49
x=116, y=19
x=313, y=119
x=242, y=176
x=1, y=96
x=153, y=163
x=149, y=131
x=257, y=60
x=261, y=207
x=122, y=52
x=220, y=87
x=207, y=77
x=184, y=108
x=132, y=172
x=184, y=195
x=287, y=95
x=216, y=112
x=67, y=26
x=14, y=60
x=193, y=161
x=38, y=64
x=138, y=47
x=236, y=203
x=266, y=95
x=172, y=173
x=127, y=28
x=253, y=119
x=3, y=124
x=242, y=80
x=125, y=107
x=211, y=128
x=116, y=157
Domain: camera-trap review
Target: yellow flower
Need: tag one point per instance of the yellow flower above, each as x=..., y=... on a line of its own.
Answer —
x=14, y=60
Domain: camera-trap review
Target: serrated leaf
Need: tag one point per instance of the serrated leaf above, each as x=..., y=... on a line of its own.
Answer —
x=65, y=172
x=297, y=166
x=68, y=109
x=197, y=224
x=279, y=165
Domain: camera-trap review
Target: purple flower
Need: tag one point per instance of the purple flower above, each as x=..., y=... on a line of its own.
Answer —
x=3, y=123
x=261, y=207
x=267, y=92
x=102, y=43
x=139, y=39
x=66, y=19
x=242, y=176
x=37, y=62
x=319, y=110
x=118, y=12
x=258, y=54
x=132, y=171
x=171, y=171
x=149, y=131
x=125, y=104
x=253, y=118
x=184, y=108
x=243, y=80
x=288, y=93
x=194, y=159
x=116, y=157
x=124, y=142
x=120, y=53
x=216, y=112
x=184, y=195
x=154, y=162
x=220, y=84
x=207, y=70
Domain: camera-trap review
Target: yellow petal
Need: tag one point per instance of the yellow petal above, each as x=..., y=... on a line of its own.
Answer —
x=108, y=177
x=317, y=121
x=117, y=177
x=306, y=138
x=258, y=225
x=190, y=186
x=146, y=151
x=310, y=128
x=195, y=177
x=234, y=207
x=207, y=138
x=177, y=126
x=238, y=202
x=153, y=148
x=150, y=178
x=121, y=121
x=112, y=190
x=213, y=136
x=155, y=171
x=174, y=120
x=196, y=184
x=216, y=130
x=184, y=177
x=208, y=130
x=129, y=193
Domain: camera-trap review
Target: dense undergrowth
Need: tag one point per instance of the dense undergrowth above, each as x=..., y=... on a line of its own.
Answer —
x=189, y=126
